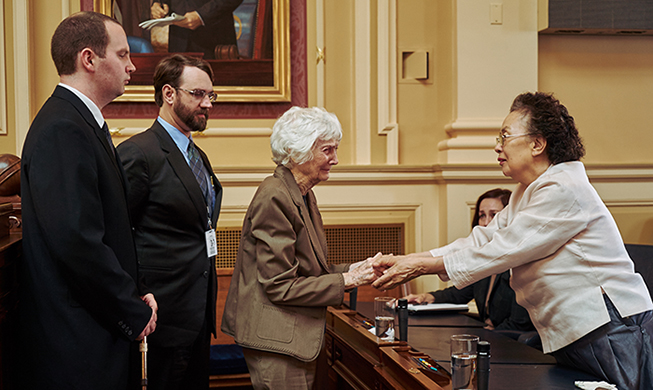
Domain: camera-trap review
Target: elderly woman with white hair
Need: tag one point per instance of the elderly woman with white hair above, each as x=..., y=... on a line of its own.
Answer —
x=282, y=283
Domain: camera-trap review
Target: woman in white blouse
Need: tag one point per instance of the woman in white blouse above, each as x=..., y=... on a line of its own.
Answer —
x=570, y=268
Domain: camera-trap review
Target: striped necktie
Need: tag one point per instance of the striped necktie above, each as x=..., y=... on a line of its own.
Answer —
x=198, y=169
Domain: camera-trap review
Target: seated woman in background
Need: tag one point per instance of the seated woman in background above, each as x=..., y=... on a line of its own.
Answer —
x=497, y=306
x=570, y=268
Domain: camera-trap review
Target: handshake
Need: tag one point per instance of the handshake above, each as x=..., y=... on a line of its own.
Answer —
x=387, y=271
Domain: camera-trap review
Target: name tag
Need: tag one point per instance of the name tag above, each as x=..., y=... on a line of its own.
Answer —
x=211, y=243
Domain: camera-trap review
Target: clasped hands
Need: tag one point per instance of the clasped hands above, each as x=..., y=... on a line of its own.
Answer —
x=387, y=271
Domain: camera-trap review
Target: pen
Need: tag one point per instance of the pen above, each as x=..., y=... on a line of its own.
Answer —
x=367, y=323
x=424, y=364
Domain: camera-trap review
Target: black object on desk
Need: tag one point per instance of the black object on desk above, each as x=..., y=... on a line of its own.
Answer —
x=402, y=312
x=483, y=365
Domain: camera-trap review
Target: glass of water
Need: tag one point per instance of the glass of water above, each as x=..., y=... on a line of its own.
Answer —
x=463, y=361
x=384, y=318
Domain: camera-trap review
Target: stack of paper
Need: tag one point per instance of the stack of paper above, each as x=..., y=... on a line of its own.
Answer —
x=438, y=307
x=148, y=24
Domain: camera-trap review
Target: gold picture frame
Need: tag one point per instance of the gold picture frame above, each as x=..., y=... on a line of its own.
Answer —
x=279, y=91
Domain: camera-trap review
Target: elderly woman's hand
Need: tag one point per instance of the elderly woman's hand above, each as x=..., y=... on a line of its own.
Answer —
x=395, y=270
x=360, y=273
x=364, y=262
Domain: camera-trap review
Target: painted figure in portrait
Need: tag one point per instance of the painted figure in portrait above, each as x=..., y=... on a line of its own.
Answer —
x=219, y=29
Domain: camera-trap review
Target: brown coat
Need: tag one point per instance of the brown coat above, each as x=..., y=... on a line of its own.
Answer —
x=282, y=284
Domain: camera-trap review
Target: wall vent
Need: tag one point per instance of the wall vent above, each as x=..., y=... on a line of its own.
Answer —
x=346, y=243
x=599, y=17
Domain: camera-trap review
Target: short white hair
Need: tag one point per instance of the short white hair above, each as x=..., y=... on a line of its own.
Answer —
x=297, y=131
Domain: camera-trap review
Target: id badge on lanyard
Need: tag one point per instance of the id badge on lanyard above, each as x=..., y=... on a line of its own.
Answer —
x=211, y=241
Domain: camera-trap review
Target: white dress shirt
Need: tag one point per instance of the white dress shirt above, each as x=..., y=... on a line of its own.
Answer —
x=92, y=107
x=565, y=251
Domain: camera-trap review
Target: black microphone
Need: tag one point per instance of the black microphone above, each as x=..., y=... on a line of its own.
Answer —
x=403, y=319
x=483, y=365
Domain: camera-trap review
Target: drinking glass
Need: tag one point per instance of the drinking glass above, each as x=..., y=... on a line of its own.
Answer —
x=384, y=318
x=463, y=361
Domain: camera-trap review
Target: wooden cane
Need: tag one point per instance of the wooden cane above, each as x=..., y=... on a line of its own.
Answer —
x=143, y=348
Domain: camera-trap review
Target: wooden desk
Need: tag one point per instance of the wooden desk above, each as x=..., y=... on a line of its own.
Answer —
x=356, y=361
x=435, y=343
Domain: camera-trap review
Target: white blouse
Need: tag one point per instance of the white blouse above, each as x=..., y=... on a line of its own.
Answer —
x=564, y=249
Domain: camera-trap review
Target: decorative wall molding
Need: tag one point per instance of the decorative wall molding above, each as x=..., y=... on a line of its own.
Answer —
x=363, y=82
x=319, y=38
x=209, y=132
x=386, y=71
x=435, y=174
x=493, y=63
x=629, y=203
x=22, y=88
x=469, y=142
x=387, y=77
x=473, y=126
x=3, y=72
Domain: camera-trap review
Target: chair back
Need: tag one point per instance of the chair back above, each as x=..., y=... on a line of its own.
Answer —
x=642, y=256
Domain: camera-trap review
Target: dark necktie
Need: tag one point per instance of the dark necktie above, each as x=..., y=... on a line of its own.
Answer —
x=197, y=167
x=107, y=134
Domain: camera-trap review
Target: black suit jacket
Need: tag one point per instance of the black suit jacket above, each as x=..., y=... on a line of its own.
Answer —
x=505, y=313
x=218, y=26
x=170, y=219
x=79, y=305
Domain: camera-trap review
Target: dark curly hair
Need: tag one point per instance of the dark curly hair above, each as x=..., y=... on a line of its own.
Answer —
x=549, y=118
x=499, y=193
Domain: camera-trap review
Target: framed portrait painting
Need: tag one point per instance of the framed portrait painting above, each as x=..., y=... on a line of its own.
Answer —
x=246, y=42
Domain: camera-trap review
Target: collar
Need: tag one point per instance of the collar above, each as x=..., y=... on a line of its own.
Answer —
x=92, y=107
x=177, y=136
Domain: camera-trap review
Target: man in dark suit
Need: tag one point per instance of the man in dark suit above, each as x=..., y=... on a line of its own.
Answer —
x=80, y=306
x=206, y=24
x=175, y=201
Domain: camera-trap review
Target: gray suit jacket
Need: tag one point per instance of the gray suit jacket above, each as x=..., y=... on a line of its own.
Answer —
x=282, y=283
x=170, y=219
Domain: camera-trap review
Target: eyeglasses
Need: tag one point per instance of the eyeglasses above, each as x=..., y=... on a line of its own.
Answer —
x=501, y=139
x=200, y=93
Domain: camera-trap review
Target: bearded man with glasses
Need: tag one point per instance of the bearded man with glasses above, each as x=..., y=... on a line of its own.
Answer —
x=175, y=198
